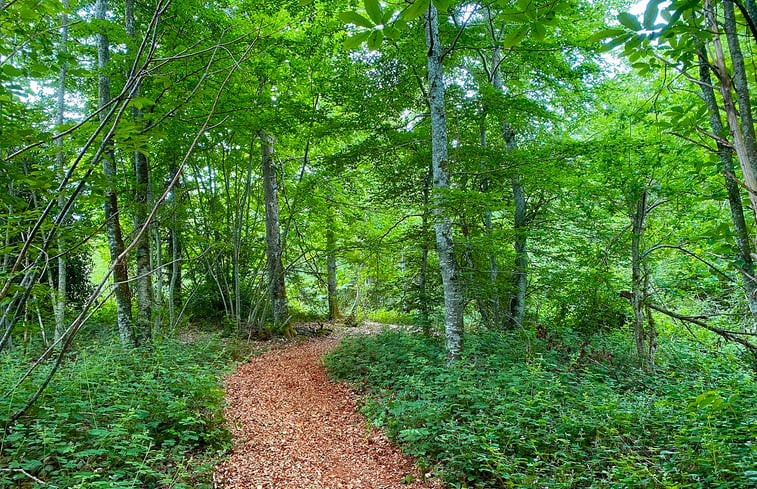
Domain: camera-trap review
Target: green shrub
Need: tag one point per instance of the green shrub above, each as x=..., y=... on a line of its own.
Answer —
x=518, y=412
x=114, y=418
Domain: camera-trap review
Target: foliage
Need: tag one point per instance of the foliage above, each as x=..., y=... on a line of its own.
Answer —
x=117, y=418
x=521, y=411
x=387, y=316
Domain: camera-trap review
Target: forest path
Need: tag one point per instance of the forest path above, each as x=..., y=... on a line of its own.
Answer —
x=293, y=428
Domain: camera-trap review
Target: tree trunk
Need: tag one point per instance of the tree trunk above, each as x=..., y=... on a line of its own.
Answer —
x=496, y=308
x=517, y=303
x=740, y=85
x=425, y=248
x=725, y=154
x=157, y=264
x=175, y=249
x=112, y=218
x=141, y=191
x=744, y=153
x=638, y=279
x=276, y=279
x=59, y=306
x=331, y=268
x=453, y=303
x=751, y=10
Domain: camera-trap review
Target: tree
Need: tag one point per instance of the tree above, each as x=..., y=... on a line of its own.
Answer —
x=112, y=215
x=276, y=282
x=689, y=30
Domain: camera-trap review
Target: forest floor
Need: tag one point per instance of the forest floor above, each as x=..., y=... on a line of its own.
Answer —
x=293, y=428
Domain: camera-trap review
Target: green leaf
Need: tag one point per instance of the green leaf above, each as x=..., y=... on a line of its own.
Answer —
x=441, y=5
x=524, y=4
x=415, y=10
x=629, y=21
x=356, y=40
x=388, y=14
x=605, y=34
x=351, y=17
x=539, y=31
x=616, y=42
x=515, y=37
x=374, y=10
x=375, y=39
x=514, y=15
x=392, y=33
x=650, y=14
x=11, y=70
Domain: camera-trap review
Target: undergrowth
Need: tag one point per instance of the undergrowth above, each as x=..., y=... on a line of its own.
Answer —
x=114, y=418
x=524, y=412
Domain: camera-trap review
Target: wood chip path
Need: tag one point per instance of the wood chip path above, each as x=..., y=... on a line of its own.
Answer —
x=293, y=428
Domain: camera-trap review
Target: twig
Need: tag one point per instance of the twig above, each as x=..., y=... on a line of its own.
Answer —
x=27, y=474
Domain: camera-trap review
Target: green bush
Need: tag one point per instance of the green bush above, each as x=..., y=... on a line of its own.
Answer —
x=521, y=412
x=114, y=418
x=388, y=316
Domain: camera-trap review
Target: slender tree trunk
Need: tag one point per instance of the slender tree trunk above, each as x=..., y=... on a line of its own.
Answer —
x=276, y=279
x=740, y=122
x=331, y=268
x=740, y=143
x=651, y=333
x=471, y=269
x=740, y=85
x=423, y=295
x=175, y=248
x=112, y=218
x=59, y=306
x=517, y=311
x=157, y=264
x=141, y=191
x=516, y=304
x=453, y=302
x=725, y=154
x=752, y=10
x=638, y=280
x=496, y=308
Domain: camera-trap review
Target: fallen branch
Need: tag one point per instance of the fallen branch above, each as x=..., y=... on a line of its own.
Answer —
x=27, y=474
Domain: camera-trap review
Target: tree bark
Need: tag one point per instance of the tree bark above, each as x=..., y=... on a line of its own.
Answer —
x=740, y=85
x=725, y=154
x=752, y=10
x=59, y=307
x=517, y=312
x=331, y=268
x=141, y=191
x=637, y=300
x=425, y=248
x=740, y=144
x=516, y=305
x=453, y=303
x=276, y=278
x=175, y=249
x=496, y=307
x=644, y=339
x=112, y=218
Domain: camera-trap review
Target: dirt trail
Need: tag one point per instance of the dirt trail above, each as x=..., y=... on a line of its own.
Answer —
x=295, y=429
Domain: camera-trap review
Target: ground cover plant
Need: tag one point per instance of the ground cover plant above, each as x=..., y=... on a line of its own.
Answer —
x=118, y=418
x=520, y=411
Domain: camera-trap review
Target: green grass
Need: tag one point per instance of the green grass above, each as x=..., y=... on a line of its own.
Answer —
x=521, y=412
x=113, y=418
